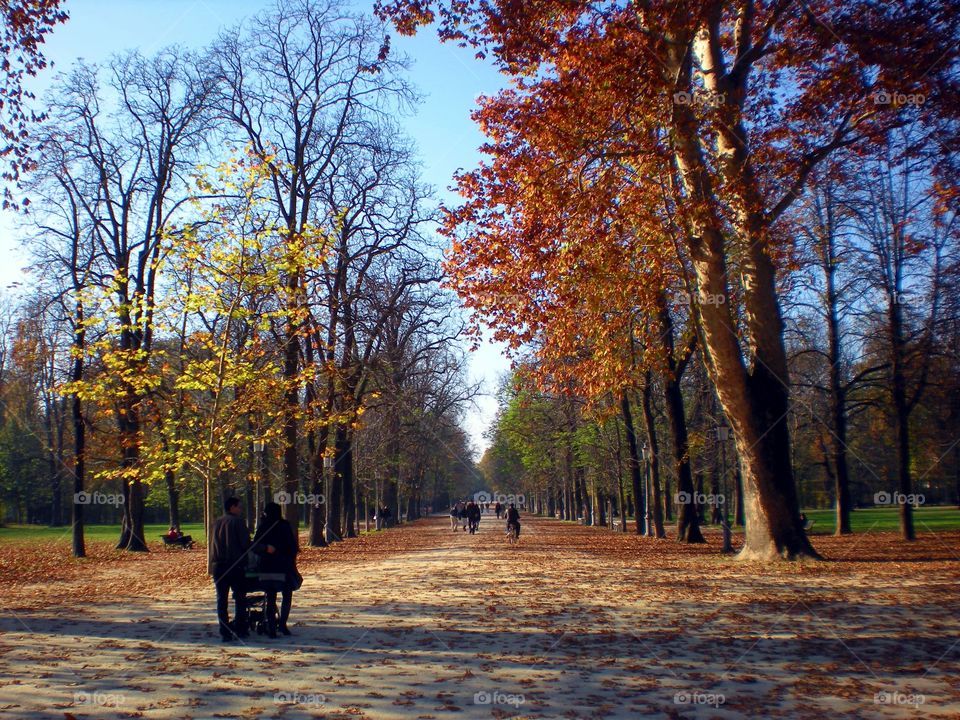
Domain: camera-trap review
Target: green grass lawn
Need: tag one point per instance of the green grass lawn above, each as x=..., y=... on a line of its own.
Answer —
x=925, y=519
x=94, y=533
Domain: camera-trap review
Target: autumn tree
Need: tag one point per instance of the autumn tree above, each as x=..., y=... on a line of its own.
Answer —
x=692, y=91
x=302, y=83
x=26, y=24
x=125, y=165
x=907, y=240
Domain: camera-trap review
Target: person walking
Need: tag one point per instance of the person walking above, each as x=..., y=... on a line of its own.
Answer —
x=473, y=516
x=228, y=556
x=276, y=545
x=454, y=516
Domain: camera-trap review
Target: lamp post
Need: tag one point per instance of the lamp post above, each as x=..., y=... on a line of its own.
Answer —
x=648, y=509
x=723, y=434
x=328, y=467
x=258, y=498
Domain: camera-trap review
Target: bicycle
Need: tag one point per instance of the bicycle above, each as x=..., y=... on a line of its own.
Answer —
x=513, y=536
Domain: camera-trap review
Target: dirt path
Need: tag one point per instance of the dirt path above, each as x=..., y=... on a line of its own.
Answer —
x=573, y=623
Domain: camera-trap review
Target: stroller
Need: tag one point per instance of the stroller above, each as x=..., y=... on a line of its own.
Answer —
x=258, y=610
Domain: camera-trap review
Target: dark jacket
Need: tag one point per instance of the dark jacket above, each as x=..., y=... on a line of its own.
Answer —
x=513, y=516
x=474, y=512
x=231, y=541
x=279, y=534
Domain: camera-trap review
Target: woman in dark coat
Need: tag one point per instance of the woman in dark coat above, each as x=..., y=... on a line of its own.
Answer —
x=276, y=545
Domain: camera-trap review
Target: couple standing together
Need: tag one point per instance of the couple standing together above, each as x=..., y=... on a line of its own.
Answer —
x=273, y=550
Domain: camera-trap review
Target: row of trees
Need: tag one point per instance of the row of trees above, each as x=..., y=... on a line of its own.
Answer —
x=642, y=212
x=234, y=273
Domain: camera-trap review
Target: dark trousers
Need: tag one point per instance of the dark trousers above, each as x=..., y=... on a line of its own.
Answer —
x=286, y=600
x=226, y=579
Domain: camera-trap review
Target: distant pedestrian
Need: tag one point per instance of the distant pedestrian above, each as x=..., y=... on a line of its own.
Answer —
x=473, y=516
x=499, y=509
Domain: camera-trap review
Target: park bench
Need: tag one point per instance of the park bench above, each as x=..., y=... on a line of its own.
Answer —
x=185, y=542
x=617, y=524
x=808, y=525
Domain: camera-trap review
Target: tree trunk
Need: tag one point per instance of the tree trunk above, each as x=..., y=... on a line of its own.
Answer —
x=653, y=458
x=131, y=530
x=838, y=408
x=688, y=520
x=344, y=441
x=738, y=507
x=291, y=407
x=753, y=394
x=901, y=420
x=79, y=434
x=333, y=531
x=633, y=454
x=173, y=498
x=716, y=513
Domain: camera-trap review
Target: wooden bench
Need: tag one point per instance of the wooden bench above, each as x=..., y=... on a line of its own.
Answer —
x=184, y=543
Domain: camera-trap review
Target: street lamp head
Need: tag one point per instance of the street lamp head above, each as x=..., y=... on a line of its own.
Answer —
x=328, y=462
x=258, y=446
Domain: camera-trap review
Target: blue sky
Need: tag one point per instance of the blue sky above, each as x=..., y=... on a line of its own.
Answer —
x=449, y=77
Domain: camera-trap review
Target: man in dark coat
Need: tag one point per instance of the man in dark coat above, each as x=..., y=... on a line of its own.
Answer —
x=473, y=515
x=228, y=555
x=276, y=545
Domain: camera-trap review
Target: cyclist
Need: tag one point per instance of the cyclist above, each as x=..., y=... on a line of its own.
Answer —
x=513, y=519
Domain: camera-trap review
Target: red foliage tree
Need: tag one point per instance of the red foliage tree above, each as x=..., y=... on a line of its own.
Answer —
x=707, y=118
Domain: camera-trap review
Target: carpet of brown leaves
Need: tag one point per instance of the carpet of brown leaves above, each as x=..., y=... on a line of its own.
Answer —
x=422, y=622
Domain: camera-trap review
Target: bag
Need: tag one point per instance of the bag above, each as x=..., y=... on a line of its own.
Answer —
x=296, y=580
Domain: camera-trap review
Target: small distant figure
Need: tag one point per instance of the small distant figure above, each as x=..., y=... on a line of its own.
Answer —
x=455, y=516
x=513, y=519
x=462, y=514
x=498, y=508
x=176, y=537
x=473, y=516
